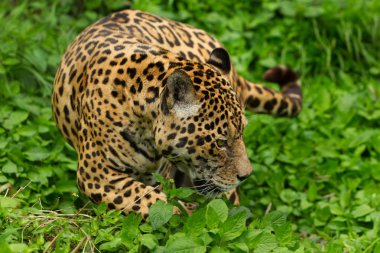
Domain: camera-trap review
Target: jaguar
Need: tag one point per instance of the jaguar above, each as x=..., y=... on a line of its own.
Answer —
x=137, y=94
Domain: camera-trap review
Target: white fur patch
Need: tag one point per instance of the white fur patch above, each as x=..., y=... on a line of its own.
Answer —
x=184, y=110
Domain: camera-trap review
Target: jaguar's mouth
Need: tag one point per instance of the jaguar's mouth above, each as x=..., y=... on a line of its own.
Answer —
x=207, y=187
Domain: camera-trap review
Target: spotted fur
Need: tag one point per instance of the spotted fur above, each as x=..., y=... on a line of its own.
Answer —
x=136, y=94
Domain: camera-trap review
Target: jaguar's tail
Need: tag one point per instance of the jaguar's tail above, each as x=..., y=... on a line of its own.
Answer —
x=261, y=99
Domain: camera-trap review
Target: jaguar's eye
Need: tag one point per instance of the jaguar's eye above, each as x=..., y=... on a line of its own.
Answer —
x=221, y=143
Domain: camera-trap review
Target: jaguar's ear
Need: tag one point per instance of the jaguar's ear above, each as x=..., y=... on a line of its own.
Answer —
x=179, y=96
x=220, y=59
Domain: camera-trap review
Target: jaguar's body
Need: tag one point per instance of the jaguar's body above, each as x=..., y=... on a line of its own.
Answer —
x=135, y=94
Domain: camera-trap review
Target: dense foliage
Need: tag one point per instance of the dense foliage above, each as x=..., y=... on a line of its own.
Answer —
x=315, y=185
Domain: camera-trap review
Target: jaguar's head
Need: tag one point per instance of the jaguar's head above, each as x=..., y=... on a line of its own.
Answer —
x=200, y=125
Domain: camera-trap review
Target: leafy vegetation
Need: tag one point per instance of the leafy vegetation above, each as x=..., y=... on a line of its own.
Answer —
x=315, y=185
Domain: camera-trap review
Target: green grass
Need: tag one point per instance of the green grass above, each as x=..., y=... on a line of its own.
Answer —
x=315, y=185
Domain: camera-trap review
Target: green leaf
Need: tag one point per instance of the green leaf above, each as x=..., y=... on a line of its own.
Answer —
x=219, y=249
x=146, y=228
x=18, y=247
x=268, y=62
x=27, y=131
x=112, y=245
x=288, y=195
x=160, y=213
x=275, y=218
x=101, y=208
x=149, y=241
x=288, y=8
x=333, y=247
x=323, y=103
x=265, y=242
x=184, y=245
x=212, y=218
x=9, y=167
x=313, y=11
x=39, y=59
x=3, y=143
x=2, y=71
x=11, y=61
x=344, y=197
x=37, y=154
x=196, y=223
x=7, y=202
x=239, y=246
x=15, y=118
x=284, y=233
x=217, y=212
x=10, y=89
x=336, y=209
x=4, y=248
x=312, y=192
x=362, y=210
x=233, y=226
x=130, y=229
x=3, y=179
x=182, y=193
x=362, y=137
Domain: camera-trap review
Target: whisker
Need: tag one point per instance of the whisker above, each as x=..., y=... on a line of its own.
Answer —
x=201, y=186
x=208, y=182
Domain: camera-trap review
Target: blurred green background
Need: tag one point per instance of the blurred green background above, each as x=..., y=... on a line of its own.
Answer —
x=320, y=170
